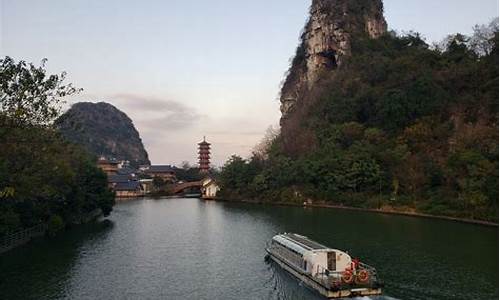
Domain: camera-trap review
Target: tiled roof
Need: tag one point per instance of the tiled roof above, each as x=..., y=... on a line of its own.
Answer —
x=118, y=178
x=104, y=160
x=128, y=186
x=209, y=181
x=125, y=171
x=160, y=169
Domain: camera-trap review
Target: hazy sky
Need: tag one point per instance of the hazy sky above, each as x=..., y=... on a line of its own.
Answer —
x=184, y=69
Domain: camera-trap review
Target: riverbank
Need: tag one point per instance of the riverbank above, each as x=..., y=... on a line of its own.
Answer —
x=21, y=237
x=390, y=211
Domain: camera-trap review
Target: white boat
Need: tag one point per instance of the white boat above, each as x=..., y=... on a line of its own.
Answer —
x=331, y=272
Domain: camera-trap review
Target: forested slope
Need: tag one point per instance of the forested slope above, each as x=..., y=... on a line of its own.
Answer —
x=399, y=125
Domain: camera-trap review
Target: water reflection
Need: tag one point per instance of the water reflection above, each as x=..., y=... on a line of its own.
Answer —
x=43, y=268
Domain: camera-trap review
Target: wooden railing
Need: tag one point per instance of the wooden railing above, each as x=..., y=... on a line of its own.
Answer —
x=15, y=239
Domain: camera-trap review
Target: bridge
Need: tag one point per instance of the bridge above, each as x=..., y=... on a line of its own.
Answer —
x=179, y=187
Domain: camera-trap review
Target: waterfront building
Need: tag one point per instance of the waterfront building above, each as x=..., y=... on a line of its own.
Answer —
x=209, y=188
x=109, y=166
x=114, y=179
x=147, y=185
x=128, y=189
x=165, y=172
x=126, y=171
x=204, y=156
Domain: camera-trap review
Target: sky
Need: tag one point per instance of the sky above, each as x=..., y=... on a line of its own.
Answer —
x=184, y=69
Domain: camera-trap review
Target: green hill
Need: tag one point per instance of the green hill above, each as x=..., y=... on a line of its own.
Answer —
x=103, y=130
x=393, y=124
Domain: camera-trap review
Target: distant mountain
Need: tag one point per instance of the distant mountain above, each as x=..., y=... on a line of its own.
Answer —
x=103, y=130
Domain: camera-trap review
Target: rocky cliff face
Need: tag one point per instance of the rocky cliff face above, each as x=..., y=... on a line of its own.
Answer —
x=103, y=130
x=326, y=42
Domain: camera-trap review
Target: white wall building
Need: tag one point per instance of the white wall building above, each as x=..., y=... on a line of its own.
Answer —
x=209, y=188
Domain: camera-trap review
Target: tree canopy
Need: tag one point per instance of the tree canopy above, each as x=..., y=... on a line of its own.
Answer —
x=47, y=178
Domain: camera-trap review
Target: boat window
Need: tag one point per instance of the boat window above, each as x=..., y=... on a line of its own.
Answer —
x=287, y=248
x=331, y=258
x=289, y=254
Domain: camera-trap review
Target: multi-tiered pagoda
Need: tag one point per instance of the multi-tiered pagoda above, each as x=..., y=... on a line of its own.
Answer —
x=204, y=156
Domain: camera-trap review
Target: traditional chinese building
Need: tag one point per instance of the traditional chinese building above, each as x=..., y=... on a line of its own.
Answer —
x=165, y=172
x=128, y=189
x=209, y=188
x=109, y=166
x=204, y=156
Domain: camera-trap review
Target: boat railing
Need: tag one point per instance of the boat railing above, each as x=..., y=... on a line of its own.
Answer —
x=366, y=267
x=371, y=270
x=329, y=277
x=323, y=271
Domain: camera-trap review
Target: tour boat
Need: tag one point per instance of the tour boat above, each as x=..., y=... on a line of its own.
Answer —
x=331, y=272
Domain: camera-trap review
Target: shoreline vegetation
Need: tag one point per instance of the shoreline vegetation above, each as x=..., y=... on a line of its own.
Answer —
x=387, y=210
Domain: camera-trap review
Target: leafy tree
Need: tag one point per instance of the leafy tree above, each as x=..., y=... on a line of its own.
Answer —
x=188, y=173
x=28, y=95
x=52, y=180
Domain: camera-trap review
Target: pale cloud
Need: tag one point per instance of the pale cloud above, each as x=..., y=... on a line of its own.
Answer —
x=147, y=103
x=158, y=114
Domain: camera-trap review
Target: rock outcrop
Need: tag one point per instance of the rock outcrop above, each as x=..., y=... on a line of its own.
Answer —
x=103, y=130
x=326, y=42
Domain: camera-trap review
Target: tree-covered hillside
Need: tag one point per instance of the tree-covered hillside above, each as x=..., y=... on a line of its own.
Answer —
x=400, y=125
x=103, y=129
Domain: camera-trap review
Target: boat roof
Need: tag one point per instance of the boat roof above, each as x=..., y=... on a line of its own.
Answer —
x=312, y=245
x=302, y=241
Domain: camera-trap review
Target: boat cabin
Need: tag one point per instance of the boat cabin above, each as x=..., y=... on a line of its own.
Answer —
x=313, y=258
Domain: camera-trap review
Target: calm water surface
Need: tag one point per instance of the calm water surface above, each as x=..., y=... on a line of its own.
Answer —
x=191, y=249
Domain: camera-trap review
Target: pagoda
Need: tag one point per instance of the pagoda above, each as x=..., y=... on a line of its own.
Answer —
x=204, y=156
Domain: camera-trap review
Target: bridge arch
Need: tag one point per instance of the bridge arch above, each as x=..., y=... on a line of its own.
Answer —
x=179, y=187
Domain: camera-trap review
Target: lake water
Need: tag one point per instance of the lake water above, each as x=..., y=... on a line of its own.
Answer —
x=192, y=249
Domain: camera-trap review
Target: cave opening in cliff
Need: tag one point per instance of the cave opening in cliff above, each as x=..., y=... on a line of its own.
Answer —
x=329, y=60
